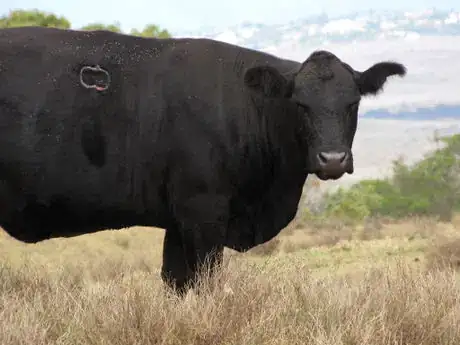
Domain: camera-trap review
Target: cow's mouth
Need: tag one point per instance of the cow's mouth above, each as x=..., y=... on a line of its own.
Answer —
x=324, y=177
x=333, y=175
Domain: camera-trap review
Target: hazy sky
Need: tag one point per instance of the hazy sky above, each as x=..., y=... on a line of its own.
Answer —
x=188, y=15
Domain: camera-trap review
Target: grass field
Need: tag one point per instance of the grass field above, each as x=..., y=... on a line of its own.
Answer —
x=382, y=283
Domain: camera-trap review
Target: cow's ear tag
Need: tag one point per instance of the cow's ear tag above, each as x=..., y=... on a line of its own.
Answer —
x=94, y=77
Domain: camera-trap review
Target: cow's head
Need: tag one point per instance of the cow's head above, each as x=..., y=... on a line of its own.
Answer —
x=327, y=92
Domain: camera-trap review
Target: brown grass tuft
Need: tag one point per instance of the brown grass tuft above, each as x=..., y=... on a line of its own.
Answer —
x=267, y=248
x=243, y=305
x=445, y=255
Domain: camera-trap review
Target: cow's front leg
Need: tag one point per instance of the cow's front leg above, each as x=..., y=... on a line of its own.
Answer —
x=197, y=238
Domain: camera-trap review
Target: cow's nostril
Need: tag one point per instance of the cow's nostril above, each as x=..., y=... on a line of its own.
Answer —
x=342, y=156
x=322, y=158
x=332, y=158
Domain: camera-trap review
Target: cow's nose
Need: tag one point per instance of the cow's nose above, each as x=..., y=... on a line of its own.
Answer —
x=333, y=163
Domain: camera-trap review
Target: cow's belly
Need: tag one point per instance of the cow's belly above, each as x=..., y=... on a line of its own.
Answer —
x=34, y=208
x=32, y=222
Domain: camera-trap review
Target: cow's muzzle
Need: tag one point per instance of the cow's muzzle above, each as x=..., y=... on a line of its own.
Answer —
x=333, y=164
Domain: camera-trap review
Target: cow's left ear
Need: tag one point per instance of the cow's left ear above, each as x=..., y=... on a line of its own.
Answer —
x=269, y=81
x=372, y=80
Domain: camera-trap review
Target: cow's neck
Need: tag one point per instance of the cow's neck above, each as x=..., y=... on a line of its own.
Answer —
x=281, y=175
x=283, y=195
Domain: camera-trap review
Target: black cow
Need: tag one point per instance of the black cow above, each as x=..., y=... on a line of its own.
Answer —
x=211, y=141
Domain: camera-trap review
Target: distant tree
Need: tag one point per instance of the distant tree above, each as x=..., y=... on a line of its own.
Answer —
x=33, y=17
x=98, y=26
x=151, y=30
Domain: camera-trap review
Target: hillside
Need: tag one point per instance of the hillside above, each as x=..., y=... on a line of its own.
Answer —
x=317, y=30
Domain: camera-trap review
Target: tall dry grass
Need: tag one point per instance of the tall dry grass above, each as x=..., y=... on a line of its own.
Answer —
x=247, y=305
x=64, y=295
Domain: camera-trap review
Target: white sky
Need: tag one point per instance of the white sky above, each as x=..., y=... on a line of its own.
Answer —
x=188, y=15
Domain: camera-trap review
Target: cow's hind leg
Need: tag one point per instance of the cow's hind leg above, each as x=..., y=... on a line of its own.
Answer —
x=197, y=240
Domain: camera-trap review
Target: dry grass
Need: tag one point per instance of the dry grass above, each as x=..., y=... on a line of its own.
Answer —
x=376, y=284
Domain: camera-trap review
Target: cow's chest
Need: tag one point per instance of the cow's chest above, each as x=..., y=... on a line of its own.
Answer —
x=258, y=220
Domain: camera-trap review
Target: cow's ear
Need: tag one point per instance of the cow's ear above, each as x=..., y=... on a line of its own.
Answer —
x=372, y=80
x=269, y=81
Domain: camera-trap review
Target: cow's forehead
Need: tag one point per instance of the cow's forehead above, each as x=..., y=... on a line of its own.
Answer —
x=332, y=73
x=322, y=55
x=321, y=58
x=323, y=75
x=325, y=66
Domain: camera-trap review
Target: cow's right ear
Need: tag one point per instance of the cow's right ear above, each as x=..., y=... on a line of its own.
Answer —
x=269, y=81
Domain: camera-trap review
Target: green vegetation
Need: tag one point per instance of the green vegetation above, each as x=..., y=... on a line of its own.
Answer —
x=35, y=17
x=431, y=187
